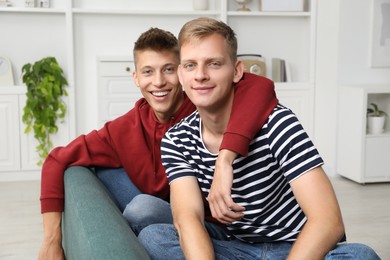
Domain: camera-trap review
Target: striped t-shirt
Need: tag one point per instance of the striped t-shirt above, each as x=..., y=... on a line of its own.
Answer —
x=280, y=152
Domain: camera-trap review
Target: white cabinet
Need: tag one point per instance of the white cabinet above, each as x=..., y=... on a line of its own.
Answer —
x=117, y=92
x=17, y=149
x=9, y=133
x=362, y=157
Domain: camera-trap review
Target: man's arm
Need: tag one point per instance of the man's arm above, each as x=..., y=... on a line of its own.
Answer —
x=188, y=214
x=84, y=150
x=254, y=100
x=52, y=237
x=324, y=227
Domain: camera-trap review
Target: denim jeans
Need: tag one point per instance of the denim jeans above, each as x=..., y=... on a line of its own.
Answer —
x=161, y=242
x=140, y=210
x=118, y=184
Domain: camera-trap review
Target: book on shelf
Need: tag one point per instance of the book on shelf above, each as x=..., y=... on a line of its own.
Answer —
x=280, y=70
x=5, y=4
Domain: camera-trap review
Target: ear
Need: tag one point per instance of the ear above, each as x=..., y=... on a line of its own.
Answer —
x=135, y=78
x=238, y=71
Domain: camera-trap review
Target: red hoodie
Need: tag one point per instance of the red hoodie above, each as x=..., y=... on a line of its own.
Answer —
x=133, y=141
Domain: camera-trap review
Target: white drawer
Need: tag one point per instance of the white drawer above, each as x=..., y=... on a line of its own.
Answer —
x=116, y=68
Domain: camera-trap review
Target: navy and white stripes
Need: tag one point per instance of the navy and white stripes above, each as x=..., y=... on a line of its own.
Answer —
x=279, y=153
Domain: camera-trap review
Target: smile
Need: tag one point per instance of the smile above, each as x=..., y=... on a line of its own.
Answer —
x=160, y=93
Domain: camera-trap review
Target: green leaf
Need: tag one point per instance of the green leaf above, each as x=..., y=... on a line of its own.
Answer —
x=44, y=105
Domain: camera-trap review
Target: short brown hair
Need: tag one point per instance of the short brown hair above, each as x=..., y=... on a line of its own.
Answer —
x=204, y=26
x=157, y=40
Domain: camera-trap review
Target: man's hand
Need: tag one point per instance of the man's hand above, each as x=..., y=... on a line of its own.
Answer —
x=222, y=206
x=51, y=251
x=51, y=248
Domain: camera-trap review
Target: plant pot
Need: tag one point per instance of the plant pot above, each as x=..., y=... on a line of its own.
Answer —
x=375, y=124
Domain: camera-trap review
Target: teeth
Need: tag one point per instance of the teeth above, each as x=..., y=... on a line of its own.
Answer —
x=160, y=93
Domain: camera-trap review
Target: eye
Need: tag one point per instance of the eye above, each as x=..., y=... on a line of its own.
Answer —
x=170, y=70
x=147, y=72
x=215, y=64
x=189, y=66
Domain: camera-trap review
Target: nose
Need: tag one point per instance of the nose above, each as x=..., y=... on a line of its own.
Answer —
x=159, y=80
x=201, y=73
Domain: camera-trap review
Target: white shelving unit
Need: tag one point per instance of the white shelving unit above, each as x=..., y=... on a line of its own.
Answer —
x=362, y=157
x=78, y=32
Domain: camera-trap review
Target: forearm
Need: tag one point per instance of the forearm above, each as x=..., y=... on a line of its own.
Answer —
x=194, y=239
x=52, y=226
x=317, y=239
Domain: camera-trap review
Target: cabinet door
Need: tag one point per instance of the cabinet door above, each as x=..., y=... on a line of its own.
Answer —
x=9, y=133
x=117, y=91
x=377, y=158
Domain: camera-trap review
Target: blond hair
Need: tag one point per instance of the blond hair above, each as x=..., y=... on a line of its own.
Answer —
x=204, y=26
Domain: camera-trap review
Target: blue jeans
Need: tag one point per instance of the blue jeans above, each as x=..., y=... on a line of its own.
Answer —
x=118, y=184
x=161, y=242
x=140, y=210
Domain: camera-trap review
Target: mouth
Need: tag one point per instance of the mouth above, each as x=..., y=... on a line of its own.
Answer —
x=159, y=93
x=203, y=89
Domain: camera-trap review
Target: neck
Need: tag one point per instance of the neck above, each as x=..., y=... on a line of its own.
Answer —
x=214, y=124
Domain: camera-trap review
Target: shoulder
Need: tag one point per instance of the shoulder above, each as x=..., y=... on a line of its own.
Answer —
x=283, y=125
x=182, y=132
x=281, y=115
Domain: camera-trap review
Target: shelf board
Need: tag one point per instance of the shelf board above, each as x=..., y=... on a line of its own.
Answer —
x=258, y=13
x=144, y=12
x=384, y=134
x=32, y=10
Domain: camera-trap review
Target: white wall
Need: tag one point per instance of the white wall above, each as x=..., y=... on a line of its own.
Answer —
x=343, y=40
x=354, y=45
x=325, y=114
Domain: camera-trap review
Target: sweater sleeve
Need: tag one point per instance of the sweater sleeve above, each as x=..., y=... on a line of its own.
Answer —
x=254, y=100
x=94, y=149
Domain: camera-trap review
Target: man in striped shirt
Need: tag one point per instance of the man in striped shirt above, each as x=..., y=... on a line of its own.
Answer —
x=281, y=203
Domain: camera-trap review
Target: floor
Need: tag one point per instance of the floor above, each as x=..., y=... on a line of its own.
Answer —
x=365, y=208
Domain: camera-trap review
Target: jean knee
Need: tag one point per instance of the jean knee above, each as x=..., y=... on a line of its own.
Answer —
x=146, y=209
x=353, y=251
x=134, y=211
x=161, y=241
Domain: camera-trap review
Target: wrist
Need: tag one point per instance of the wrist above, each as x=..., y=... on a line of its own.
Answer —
x=226, y=156
x=52, y=226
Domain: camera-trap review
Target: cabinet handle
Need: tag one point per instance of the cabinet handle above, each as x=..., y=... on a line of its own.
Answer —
x=128, y=69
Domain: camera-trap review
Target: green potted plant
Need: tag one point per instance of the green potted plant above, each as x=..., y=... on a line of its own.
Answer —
x=375, y=119
x=44, y=106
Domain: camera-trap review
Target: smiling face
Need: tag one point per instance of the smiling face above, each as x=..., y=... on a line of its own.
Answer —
x=208, y=73
x=156, y=76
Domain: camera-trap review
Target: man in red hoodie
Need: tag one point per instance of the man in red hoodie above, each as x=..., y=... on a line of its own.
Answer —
x=132, y=141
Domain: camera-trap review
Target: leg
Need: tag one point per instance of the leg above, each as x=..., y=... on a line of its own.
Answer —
x=144, y=210
x=161, y=241
x=118, y=184
x=352, y=251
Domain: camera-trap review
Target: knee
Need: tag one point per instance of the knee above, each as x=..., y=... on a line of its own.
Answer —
x=353, y=251
x=135, y=211
x=161, y=241
x=147, y=209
